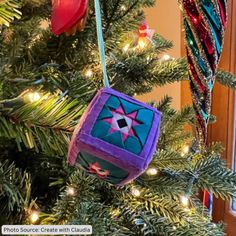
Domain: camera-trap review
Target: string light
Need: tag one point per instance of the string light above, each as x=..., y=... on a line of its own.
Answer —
x=142, y=44
x=184, y=201
x=34, y=216
x=89, y=73
x=135, y=192
x=152, y=171
x=33, y=96
x=187, y=210
x=71, y=191
x=126, y=48
x=174, y=227
x=185, y=150
x=166, y=57
x=123, y=8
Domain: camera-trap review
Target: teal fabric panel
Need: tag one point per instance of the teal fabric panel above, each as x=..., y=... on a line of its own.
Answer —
x=129, y=107
x=145, y=116
x=113, y=102
x=100, y=129
x=133, y=145
x=115, y=139
x=105, y=113
x=116, y=174
x=142, y=132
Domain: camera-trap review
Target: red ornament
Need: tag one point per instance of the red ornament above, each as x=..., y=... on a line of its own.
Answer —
x=145, y=35
x=68, y=16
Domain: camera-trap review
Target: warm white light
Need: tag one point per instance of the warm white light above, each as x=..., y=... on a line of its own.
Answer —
x=123, y=8
x=166, y=57
x=142, y=44
x=34, y=216
x=184, y=201
x=174, y=227
x=126, y=48
x=135, y=192
x=71, y=191
x=185, y=150
x=187, y=210
x=34, y=96
x=89, y=73
x=152, y=171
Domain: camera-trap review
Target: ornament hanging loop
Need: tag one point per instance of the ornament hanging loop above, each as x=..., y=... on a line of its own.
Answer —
x=101, y=44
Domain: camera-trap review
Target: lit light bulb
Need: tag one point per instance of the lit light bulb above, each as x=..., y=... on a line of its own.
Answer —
x=187, y=210
x=34, y=216
x=152, y=171
x=166, y=57
x=174, y=227
x=135, y=192
x=126, y=48
x=142, y=44
x=123, y=8
x=184, y=201
x=185, y=150
x=33, y=96
x=89, y=73
x=71, y=191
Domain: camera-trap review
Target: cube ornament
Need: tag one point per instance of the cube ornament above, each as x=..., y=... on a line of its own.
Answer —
x=116, y=137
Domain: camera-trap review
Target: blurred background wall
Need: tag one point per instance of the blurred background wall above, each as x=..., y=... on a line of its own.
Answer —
x=165, y=19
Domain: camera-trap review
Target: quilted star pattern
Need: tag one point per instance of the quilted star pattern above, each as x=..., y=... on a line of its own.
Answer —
x=123, y=124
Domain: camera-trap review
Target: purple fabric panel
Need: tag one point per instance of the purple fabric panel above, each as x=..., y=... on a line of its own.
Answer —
x=111, y=153
x=130, y=177
x=73, y=147
x=94, y=112
x=153, y=137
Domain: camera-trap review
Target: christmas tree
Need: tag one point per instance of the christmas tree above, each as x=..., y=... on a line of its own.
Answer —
x=46, y=83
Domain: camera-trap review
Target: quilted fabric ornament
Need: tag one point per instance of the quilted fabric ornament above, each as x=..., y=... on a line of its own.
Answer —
x=117, y=135
x=68, y=16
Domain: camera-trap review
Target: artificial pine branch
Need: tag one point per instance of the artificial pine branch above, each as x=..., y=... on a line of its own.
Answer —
x=9, y=9
x=14, y=187
x=216, y=177
x=172, y=134
x=67, y=205
x=32, y=123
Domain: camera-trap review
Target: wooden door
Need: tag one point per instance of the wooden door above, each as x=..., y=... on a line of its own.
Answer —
x=224, y=129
